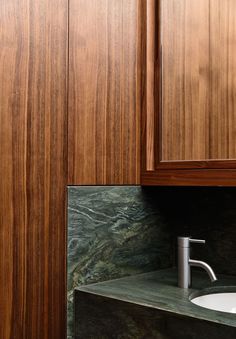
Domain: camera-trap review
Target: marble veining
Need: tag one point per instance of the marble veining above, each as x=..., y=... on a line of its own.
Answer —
x=159, y=290
x=113, y=231
x=147, y=304
x=107, y=318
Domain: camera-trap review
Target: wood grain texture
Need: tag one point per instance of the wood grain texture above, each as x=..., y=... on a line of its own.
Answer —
x=33, y=168
x=194, y=129
x=189, y=177
x=150, y=84
x=199, y=72
x=104, y=118
x=223, y=79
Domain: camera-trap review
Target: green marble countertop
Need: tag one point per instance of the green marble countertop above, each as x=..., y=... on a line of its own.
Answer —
x=159, y=290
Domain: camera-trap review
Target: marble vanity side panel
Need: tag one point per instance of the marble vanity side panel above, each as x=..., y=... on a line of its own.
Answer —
x=107, y=318
x=113, y=231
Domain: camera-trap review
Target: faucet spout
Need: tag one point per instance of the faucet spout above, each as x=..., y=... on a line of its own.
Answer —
x=205, y=266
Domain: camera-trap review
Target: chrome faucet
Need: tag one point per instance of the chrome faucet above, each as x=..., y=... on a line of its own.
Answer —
x=185, y=263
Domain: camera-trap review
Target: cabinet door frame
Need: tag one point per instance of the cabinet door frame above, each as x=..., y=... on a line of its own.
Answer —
x=209, y=172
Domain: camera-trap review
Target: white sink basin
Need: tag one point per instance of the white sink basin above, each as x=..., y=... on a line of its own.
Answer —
x=224, y=302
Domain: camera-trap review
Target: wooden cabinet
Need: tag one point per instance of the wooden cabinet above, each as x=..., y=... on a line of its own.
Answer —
x=189, y=108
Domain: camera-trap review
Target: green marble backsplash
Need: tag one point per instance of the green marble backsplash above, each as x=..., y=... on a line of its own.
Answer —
x=113, y=231
x=204, y=213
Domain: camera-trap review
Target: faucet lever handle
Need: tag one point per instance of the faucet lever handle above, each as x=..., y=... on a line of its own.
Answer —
x=197, y=241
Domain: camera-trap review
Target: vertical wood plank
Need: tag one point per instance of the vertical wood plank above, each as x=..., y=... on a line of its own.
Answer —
x=13, y=92
x=103, y=112
x=150, y=85
x=33, y=168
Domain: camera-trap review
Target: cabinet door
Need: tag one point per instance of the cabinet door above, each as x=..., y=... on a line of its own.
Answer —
x=191, y=116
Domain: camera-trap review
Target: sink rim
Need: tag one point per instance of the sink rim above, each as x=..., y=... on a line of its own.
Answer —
x=212, y=290
x=209, y=291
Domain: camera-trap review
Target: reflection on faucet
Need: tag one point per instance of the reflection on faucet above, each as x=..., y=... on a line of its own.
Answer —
x=185, y=263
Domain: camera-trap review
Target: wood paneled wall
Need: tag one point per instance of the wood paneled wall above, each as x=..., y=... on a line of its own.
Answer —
x=103, y=143
x=33, y=168
x=104, y=92
x=104, y=128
